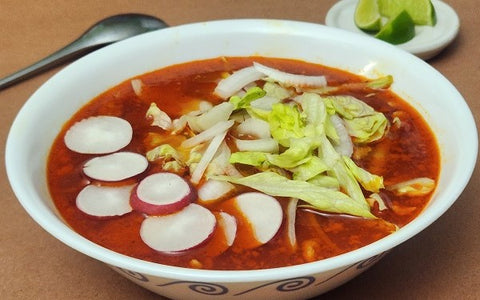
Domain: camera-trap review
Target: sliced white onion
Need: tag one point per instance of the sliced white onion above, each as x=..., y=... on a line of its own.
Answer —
x=137, y=86
x=254, y=127
x=208, y=134
x=345, y=145
x=289, y=78
x=218, y=113
x=204, y=106
x=179, y=231
x=213, y=190
x=104, y=201
x=229, y=86
x=291, y=216
x=207, y=157
x=262, y=145
x=220, y=164
x=116, y=166
x=265, y=102
x=99, y=135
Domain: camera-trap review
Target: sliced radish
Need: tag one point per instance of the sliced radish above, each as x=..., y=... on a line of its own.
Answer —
x=116, y=166
x=263, y=213
x=162, y=193
x=180, y=231
x=104, y=201
x=229, y=225
x=213, y=190
x=99, y=135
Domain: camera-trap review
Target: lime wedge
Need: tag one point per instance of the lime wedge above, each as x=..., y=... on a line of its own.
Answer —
x=367, y=16
x=398, y=30
x=421, y=11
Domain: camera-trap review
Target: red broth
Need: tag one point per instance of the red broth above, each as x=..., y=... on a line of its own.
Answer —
x=407, y=151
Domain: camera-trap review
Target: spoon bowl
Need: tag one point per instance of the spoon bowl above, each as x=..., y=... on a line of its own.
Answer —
x=104, y=32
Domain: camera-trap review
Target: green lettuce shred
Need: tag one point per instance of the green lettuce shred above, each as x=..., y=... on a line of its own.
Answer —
x=363, y=123
x=368, y=128
x=383, y=82
x=324, y=199
x=251, y=158
x=276, y=91
x=165, y=152
x=286, y=123
x=369, y=181
x=252, y=94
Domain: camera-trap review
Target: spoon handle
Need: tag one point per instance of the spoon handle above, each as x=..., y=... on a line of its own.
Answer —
x=73, y=50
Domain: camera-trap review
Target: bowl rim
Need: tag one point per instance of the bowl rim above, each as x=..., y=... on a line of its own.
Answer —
x=52, y=224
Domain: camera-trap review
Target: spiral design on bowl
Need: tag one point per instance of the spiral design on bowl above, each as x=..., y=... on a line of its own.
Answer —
x=205, y=288
x=295, y=284
x=135, y=275
x=286, y=285
x=370, y=261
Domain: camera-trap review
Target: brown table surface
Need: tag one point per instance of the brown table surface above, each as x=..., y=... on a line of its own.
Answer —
x=442, y=262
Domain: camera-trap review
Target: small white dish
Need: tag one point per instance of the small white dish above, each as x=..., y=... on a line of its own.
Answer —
x=428, y=40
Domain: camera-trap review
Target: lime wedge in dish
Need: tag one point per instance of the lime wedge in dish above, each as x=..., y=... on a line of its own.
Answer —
x=367, y=15
x=421, y=11
x=398, y=30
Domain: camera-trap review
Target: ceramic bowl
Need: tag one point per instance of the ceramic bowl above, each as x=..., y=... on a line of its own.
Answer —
x=42, y=116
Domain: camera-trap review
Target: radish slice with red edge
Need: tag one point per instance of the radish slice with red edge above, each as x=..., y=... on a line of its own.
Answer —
x=98, y=135
x=162, y=193
x=263, y=212
x=116, y=166
x=104, y=201
x=177, y=232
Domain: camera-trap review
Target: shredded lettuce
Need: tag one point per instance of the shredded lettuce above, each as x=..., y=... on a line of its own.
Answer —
x=368, y=128
x=325, y=181
x=276, y=91
x=310, y=169
x=363, y=123
x=313, y=133
x=286, y=123
x=413, y=187
x=383, y=82
x=298, y=153
x=252, y=94
x=349, y=107
x=251, y=158
x=172, y=160
x=370, y=182
x=164, y=151
x=321, y=198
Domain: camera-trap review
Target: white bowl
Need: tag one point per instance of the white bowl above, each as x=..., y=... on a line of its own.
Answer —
x=41, y=118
